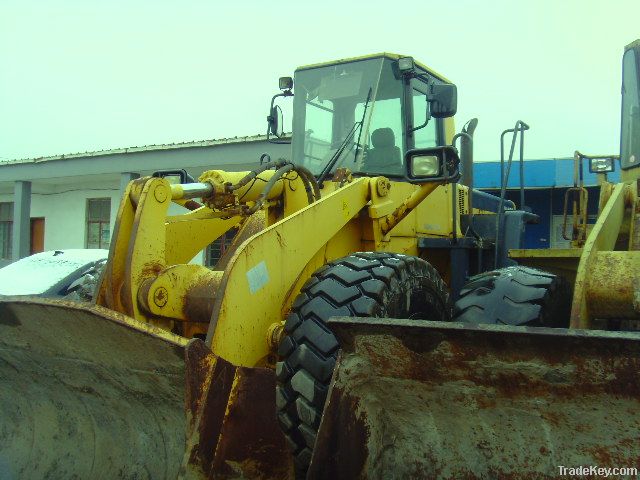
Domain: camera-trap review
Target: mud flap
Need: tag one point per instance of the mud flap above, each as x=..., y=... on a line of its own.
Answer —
x=86, y=392
x=449, y=400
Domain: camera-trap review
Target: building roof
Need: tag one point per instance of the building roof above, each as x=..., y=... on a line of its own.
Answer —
x=144, y=148
x=542, y=173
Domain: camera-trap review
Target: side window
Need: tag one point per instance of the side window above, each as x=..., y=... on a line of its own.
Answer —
x=427, y=136
x=319, y=119
x=98, y=217
x=630, y=135
x=6, y=227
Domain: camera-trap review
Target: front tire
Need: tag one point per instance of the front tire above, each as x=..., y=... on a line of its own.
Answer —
x=368, y=284
x=519, y=296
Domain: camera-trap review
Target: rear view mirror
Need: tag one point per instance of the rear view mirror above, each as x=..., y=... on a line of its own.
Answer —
x=443, y=99
x=439, y=164
x=275, y=124
x=275, y=121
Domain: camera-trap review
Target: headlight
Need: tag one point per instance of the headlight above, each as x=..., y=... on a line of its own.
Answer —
x=285, y=83
x=601, y=165
x=406, y=64
x=425, y=166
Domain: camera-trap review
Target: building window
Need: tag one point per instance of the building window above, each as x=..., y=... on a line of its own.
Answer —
x=98, y=217
x=6, y=228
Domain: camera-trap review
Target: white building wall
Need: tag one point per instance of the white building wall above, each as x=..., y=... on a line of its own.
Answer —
x=65, y=214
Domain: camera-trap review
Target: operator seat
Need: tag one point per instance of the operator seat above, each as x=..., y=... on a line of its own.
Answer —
x=384, y=157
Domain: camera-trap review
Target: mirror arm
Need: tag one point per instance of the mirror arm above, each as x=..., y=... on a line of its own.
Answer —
x=426, y=121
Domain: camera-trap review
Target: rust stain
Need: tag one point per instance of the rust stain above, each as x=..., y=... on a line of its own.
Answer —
x=622, y=453
x=341, y=446
x=211, y=398
x=199, y=300
x=192, y=205
x=615, y=372
x=556, y=381
x=236, y=434
x=199, y=362
x=251, y=440
x=151, y=269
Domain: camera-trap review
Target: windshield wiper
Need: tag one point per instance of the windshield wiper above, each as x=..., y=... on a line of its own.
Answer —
x=336, y=156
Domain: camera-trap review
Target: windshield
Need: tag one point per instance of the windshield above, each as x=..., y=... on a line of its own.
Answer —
x=329, y=108
x=351, y=115
x=630, y=125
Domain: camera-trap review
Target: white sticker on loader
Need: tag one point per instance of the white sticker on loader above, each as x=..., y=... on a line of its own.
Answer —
x=258, y=277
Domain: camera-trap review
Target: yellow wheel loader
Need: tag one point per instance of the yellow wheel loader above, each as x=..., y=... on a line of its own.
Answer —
x=320, y=345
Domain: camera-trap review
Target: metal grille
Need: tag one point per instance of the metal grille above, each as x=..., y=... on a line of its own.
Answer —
x=461, y=201
x=216, y=249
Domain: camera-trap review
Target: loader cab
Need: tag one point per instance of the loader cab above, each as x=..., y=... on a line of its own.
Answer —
x=365, y=114
x=630, y=121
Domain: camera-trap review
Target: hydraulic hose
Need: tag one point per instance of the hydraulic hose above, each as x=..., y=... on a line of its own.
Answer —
x=254, y=173
x=267, y=188
x=308, y=177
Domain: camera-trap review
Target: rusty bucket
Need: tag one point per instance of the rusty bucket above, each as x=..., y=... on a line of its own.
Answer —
x=446, y=400
x=86, y=392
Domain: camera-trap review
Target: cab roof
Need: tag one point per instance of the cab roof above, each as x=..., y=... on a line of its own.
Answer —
x=634, y=44
x=390, y=56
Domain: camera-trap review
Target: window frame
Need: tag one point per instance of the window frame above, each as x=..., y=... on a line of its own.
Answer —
x=101, y=222
x=8, y=248
x=635, y=55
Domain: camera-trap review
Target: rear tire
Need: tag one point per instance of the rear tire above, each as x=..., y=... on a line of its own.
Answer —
x=518, y=295
x=368, y=284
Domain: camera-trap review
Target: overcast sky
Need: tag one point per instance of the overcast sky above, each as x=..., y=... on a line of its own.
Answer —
x=90, y=75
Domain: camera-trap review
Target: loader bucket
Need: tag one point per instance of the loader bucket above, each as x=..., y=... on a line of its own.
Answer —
x=86, y=392
x=413, y=399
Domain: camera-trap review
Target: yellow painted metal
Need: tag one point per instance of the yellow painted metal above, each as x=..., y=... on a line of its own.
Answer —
x=265, y=267
x=392, y=219
x=523, y=253
x=249, y=192
x=343, y=243
x=606, y=189
x=137, y=252
x=182, y=292
x=188, y=234
x=434, y=216
x=561, y=261
x=613, y=285
x=147, y=244
x=146, y=250
x=449, y=130
x=602, y=238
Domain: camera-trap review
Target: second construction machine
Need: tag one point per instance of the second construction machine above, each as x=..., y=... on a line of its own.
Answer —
x=178, y=370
